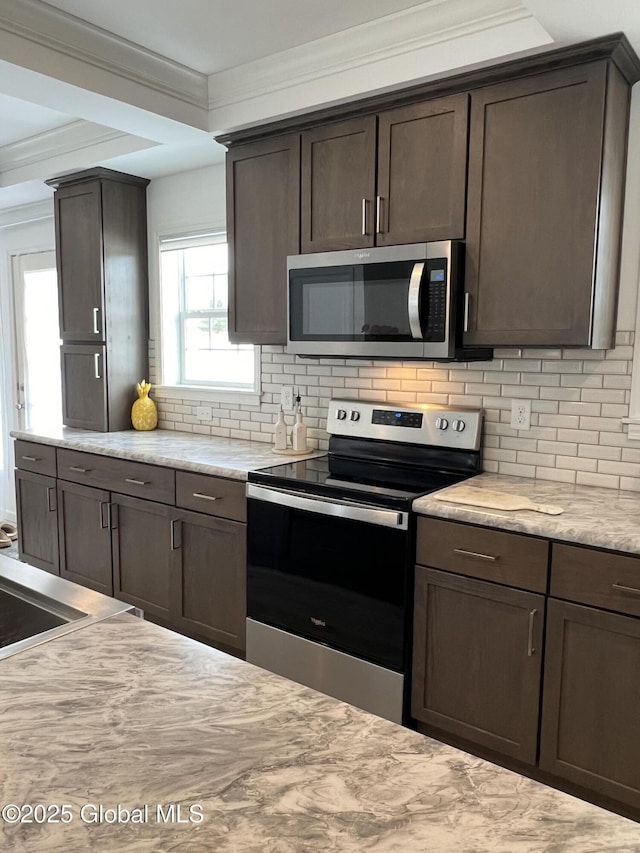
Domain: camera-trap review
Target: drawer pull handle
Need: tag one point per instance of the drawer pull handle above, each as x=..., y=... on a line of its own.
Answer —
x=79, y=469
x=530, y=646
x=30, y=458
x=96, y=329
x=621, y=588
x=135, y=482
x=105, y=515
x=52, y=504
x=206, y=497
x=464, y=553
x=96, y=365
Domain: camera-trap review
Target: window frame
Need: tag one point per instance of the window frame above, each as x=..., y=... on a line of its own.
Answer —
x=192, y=391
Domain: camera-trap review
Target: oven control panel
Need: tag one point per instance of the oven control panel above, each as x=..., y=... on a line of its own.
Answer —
x=428, y=424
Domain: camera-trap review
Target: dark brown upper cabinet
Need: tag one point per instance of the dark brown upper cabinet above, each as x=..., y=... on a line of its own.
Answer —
x=263, y=227
x=101, y=255
x=338, y=185
x=398, y=177
x=546, y=180
x=422, y=172
x=524, y=159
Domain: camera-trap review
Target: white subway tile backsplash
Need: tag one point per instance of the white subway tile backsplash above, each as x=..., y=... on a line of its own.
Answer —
x=577, y=463
x=599, y=452
x=516, y=470
x=584, y=478
x=559, y=474
x=580, y=435
x=614, y=381
x=579, y=398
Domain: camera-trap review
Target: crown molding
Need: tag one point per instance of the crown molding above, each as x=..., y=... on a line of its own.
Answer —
x=412, y=30
x=54, y=30
x=24, y=213
x=78, y=144
x=52, y=143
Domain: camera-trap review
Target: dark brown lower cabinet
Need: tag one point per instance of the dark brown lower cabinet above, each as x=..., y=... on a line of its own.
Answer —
x=84, y=387
x=36, y=506
x=212, y=569
x=84, y=536
x=591, y=706
x=477, y=660
x=185, y=568
x=145, y=555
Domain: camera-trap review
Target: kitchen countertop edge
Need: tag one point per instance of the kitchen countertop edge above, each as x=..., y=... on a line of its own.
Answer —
x=232, y=458
x=593, y=516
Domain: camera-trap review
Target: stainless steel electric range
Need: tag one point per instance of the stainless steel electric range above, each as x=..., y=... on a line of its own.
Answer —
x=331, y=548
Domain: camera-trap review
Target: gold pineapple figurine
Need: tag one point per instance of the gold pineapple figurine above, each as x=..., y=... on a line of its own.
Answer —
x=144, y=414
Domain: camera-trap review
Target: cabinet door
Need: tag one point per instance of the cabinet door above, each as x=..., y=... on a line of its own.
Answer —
x=213, y=593
x=36, y=508
x=477, y=661
x=78, y=215
x=84, y=536
x=422, y=172
x=145, y=556
x=338, y=185
x=263, y=225
x=591, y=706
x=534, y=184
x=84, y=386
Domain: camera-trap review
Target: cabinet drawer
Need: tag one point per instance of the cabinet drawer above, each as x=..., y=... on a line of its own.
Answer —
x=118, y=475
x=478, y=552
x=211, y=495
x=598, y=578
x=39, y=458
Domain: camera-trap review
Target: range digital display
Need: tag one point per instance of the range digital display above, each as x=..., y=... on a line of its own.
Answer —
x=397, y=418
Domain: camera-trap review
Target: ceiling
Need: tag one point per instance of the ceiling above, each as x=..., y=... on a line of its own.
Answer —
x=142, y=85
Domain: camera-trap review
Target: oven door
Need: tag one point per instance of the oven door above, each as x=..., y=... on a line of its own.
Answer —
x=334, y=572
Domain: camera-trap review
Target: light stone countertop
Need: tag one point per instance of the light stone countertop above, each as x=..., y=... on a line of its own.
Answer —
x=224, y=457
x=602, y=518
x=127, y=713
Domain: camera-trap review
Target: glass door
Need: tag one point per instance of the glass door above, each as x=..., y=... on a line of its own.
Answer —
x=37, y=336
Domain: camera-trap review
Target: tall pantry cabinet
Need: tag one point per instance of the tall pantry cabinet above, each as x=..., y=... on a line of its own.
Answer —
x=101, y=248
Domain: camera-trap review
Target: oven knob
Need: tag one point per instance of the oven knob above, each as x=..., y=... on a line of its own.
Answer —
x=355, y=415
x=458, y=426
x=341, y=414
x=442, y=423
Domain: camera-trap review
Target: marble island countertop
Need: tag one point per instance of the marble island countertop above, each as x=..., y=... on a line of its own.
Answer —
x=602, y=518
x=124, y=713
x=224, y=457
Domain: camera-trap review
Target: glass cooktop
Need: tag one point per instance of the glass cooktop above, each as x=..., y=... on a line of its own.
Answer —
x=376, y=483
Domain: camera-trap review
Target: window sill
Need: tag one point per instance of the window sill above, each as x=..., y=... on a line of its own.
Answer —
x=204, y=394
x=633, y=428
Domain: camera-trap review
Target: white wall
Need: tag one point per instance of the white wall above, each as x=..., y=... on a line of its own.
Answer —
x=21, y=238
x=183, y=204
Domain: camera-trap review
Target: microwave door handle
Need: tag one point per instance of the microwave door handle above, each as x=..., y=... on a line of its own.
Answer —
x=413, y=304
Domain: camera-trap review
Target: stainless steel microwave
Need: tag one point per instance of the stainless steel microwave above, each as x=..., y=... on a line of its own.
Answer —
x=390, y=302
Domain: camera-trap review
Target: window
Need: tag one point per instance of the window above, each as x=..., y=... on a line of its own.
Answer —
x=196, y=352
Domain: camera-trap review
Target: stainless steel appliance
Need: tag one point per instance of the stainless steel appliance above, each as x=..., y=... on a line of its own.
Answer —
x=331, y=548
x=389, y=302
x=36, y=607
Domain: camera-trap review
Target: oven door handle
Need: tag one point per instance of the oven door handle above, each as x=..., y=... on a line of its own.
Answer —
x=323, y=506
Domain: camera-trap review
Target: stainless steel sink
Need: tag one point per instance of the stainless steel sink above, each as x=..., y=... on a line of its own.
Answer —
x=36, y=607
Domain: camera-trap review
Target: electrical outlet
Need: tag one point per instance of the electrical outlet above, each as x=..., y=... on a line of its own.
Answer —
x=521, y=414
x=286, y=397
x=203, y=413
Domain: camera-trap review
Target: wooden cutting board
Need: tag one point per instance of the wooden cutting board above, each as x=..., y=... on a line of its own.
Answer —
x=471, y=496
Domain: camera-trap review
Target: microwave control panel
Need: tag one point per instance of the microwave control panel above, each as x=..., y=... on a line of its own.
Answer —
x=434, y=300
